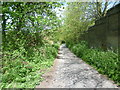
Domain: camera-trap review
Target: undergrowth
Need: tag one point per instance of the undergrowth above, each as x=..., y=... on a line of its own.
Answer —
x=106, y=62
x=20, y=71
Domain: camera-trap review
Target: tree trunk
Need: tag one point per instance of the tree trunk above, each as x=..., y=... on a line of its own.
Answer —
x=3, y=25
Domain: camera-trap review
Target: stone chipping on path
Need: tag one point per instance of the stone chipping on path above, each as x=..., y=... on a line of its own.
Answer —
x=70, y=71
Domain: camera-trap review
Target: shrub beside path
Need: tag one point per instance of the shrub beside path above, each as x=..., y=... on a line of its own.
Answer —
x=70, y=71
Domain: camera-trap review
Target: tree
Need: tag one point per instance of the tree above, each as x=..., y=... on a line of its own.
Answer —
x=25, y=47
x=99, y=9
x=24, y=20
x=76, y=21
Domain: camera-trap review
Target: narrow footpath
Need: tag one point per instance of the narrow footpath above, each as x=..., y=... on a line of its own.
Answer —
x=70, y=71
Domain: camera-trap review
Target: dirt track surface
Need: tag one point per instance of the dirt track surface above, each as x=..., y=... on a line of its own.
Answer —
x=70, y=71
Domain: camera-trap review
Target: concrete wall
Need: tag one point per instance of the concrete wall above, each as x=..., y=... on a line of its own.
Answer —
x=104, y=33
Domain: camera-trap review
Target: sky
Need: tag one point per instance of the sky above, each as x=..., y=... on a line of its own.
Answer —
x=60, y=10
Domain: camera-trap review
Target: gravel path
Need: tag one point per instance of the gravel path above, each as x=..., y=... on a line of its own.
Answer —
x=70, y=71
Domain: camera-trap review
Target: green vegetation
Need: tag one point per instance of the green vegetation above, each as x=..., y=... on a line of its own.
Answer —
x=106, y=62
x=22, y=71
x=76, y=24
x=28, y=46
x=31, y=35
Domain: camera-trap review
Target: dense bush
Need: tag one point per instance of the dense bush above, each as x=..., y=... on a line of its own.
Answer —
x=24, y=56
x=106, y=62
x=23, y=70
x=26, y=46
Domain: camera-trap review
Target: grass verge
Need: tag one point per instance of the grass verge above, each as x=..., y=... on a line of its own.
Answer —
x=106, y=62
